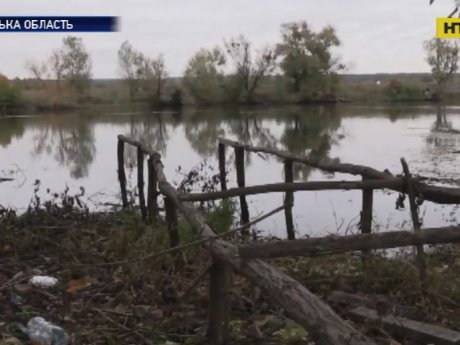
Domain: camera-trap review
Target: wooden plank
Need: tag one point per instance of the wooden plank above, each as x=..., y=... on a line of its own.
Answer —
x=309, y=311
x=140, y=182
x=423, y=333
x=441, y=195
x=353, y=301
x=218, y=303
x=295, y=186
x=341, y=244
x=289, y=199
x=421, y=261
x=121, y=172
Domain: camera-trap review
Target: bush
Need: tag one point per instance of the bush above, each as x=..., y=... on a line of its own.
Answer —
x=395, y=90
x=10, y=96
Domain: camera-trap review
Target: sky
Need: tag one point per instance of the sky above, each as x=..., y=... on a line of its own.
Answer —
x=377, y=36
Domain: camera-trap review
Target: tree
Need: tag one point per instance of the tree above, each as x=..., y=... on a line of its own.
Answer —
x=306, y=55
x=204, y=75
x=129, y=63
x=442, y=56
x=248, y=71
x=70, y=63
x=75, y=63
x=156, y=73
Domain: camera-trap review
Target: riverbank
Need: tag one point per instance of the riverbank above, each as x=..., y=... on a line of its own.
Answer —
x=113, y=289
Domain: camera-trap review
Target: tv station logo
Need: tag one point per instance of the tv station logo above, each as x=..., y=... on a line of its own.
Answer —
x=448, y=28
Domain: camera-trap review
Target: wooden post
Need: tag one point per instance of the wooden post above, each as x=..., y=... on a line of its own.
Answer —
x=152, y=192
x=218, y=303
x=415, y=220
x=222, y=172
x=121, y=172
x=140, y=182
x=171, y=220
x=240, y=180
x=289, y=199
x=366, y=213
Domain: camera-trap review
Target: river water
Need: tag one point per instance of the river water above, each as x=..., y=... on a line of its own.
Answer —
x=79, y=150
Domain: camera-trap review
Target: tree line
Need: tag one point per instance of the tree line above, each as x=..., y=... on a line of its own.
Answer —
x=230, y=72
x=302, y=66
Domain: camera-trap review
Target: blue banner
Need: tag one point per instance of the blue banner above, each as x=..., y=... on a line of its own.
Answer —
x=59, y=24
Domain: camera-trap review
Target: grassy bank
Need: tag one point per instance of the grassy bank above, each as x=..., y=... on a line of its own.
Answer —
x=47, y=95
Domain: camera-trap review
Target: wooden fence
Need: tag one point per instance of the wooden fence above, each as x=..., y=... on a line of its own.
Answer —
x=322, y=323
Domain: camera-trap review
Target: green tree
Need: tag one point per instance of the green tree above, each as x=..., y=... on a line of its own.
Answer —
x=129, y=61
x=204, y=75
x=10, y=95
x=307, y=56
x=249, y=70
x=442, y=56
x=76, y=63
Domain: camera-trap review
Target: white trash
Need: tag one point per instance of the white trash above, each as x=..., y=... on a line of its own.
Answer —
x=43, y=281
x=43, y=332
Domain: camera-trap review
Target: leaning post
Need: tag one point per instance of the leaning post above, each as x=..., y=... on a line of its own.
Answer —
x=152, y=192
x=240, y=180
x=222, y=172
x=121, y=171
x=289, y=199
x=140, y=182
x=421, y=263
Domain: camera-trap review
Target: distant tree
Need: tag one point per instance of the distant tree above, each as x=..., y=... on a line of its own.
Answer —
x=248, y=70
x=442, y=56
x=75, y=63
x=203, y=75
x=157, y=73
x=306, y=55
x=129, y=61
x=70, y=63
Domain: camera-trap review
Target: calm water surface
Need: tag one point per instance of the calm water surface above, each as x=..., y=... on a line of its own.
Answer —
x=80, y=150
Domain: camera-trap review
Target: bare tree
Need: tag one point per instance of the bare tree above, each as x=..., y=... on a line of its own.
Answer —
x=248, y=70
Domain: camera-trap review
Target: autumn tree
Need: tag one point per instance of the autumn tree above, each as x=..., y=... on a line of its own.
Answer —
x=129, y=61
x=250, y=68
x=442, y=56
x=71, y=63
x=306, y=56
x=153, y=71
x=204, y=75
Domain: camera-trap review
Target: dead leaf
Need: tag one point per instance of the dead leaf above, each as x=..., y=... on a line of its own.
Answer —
x=76, y=285
x=22, y=288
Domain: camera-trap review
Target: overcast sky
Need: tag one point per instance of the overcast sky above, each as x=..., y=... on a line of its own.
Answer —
x=377, y=36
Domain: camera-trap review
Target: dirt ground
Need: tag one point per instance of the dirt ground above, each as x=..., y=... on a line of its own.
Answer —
x=110, y=292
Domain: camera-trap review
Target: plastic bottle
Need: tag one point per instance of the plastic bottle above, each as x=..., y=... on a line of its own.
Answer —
x=43, y=332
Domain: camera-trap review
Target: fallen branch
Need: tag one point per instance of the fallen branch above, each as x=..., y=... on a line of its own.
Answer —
x=340, y=244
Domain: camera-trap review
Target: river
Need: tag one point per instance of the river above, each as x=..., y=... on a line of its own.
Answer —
x=79, y=150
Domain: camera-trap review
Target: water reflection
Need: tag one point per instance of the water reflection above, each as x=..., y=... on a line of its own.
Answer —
x=12, y=128
x=71, y=143
x=443, y=136
x=311, y=135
